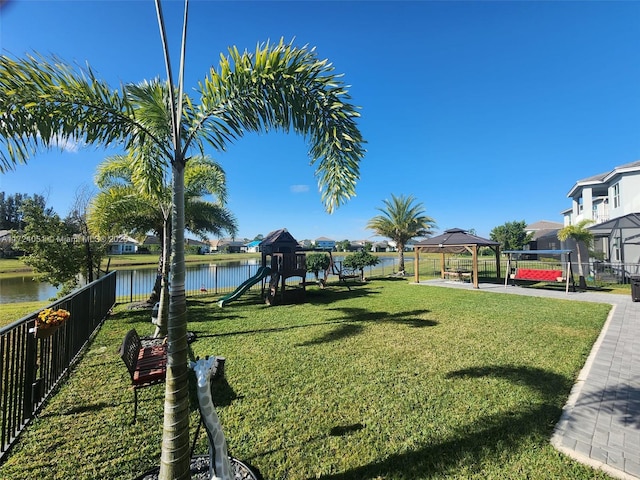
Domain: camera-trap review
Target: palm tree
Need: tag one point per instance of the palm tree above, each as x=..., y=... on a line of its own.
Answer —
x=135, y=198
x=279, y=86
x=401, y=220
x=579, y=234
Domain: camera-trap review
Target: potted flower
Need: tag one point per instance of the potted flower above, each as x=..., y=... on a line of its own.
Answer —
x=49, y=320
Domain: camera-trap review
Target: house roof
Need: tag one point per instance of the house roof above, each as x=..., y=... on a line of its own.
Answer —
x=124, y=239
x=544, y=225
x=324, y=239
x=605, y=177
x=151, y=240
x=544, y=228
x=454, y=240
x=220, y=242
x=191, y=241
x=254, y=243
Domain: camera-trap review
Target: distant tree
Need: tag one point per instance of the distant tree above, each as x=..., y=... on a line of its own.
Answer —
x=511, y=235
x=11, y=216
x=579, y=234
x=258, y=237
x=368, y=246
x=401, y=221
x=49, y=247
x=360, y=260
x=343, y=246
x=94, y=246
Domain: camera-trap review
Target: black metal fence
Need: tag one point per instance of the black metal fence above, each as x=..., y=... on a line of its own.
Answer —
x=136, y=285
x=33, y=367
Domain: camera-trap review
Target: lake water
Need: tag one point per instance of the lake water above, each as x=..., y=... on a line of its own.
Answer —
x=135, y=284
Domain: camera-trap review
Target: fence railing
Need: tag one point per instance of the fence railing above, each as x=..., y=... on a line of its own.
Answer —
x=134, y=286
x=33, y=367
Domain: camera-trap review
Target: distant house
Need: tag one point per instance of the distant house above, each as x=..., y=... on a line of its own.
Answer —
x=6, y=244
x=545, y=235
x=197, y=246
x=122, y=244
x=325, y=243
x=226, y=245
x=253, y=247
x=357, y=245
x=382, y=246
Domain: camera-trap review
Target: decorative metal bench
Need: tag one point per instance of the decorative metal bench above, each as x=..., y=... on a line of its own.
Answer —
x=147, y=365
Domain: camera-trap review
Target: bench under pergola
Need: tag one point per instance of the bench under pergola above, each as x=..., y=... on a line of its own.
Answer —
x=455, y=240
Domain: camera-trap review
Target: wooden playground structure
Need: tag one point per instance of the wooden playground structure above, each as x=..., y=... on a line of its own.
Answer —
x=281, y=253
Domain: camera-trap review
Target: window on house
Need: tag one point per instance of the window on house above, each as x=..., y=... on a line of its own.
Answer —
x=616, y=195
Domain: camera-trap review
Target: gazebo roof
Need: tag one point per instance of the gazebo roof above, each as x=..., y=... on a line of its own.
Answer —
x=454, y=240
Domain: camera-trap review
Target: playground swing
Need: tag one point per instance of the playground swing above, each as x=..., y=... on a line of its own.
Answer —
x=343, y=273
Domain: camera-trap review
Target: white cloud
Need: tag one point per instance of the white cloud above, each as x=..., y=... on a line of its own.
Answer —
x=65, y=144
x=299, y=188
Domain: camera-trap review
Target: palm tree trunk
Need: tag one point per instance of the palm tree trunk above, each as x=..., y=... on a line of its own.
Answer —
x=400, y=258
x=163, y=311
x=175, y=456
x=581, y=280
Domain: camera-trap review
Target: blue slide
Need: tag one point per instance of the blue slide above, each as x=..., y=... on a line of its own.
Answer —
x=263, y=272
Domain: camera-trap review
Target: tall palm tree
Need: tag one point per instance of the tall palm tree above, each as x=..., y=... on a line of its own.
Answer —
x=580, y=234
x=134, y=197
x=402, y=220
x=278, y=86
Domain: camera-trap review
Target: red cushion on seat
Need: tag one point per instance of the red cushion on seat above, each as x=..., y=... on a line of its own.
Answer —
x=538, y=275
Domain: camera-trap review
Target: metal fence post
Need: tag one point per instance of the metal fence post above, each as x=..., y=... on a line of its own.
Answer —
x=29, y=375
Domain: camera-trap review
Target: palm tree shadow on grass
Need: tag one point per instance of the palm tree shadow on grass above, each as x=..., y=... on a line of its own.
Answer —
x=351, y=323
x=474, y=442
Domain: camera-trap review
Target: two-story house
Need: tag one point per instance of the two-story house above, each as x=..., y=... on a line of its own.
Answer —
x=324, y=243
x=612, y=201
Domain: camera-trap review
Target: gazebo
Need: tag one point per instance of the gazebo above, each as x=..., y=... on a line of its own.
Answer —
x=455, y=240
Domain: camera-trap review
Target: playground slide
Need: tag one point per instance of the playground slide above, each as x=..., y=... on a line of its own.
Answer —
x=262, y=272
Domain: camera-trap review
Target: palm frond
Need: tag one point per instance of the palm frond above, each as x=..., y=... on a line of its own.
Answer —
x=287, y=88
x=45, y=100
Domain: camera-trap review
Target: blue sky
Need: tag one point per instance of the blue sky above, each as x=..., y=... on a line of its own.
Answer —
x=486, y=112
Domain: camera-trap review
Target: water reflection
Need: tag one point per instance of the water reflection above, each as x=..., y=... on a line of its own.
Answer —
x=24, y=289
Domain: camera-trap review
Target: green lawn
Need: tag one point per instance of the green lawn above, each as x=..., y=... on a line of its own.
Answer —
x=10, y=312
x=388, y=381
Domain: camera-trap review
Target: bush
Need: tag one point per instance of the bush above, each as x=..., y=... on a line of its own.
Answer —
x=317, y=262
x=359, y=260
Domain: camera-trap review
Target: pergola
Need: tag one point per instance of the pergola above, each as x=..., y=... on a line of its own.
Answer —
x=455, y=240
